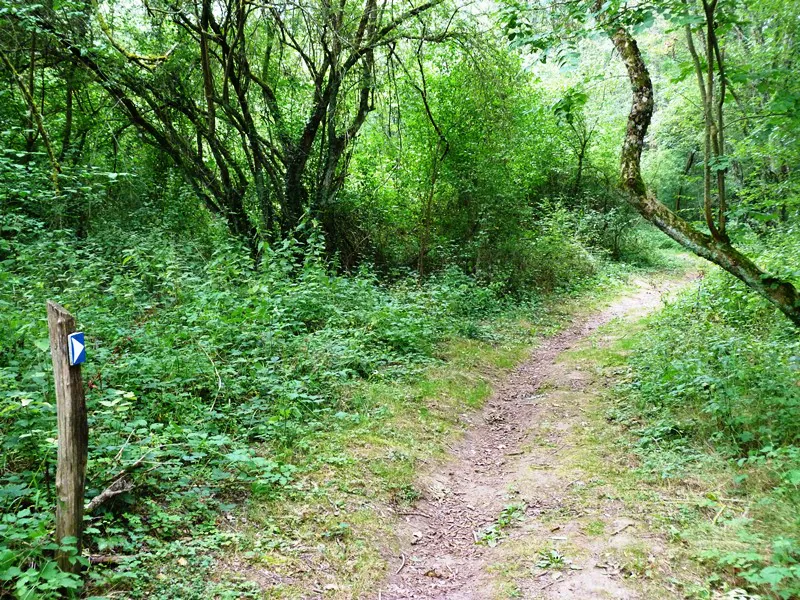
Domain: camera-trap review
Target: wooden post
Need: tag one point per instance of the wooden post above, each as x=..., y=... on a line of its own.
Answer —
x=73, y=433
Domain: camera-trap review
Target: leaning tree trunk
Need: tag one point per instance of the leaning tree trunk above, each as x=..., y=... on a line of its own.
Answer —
x=779, y=292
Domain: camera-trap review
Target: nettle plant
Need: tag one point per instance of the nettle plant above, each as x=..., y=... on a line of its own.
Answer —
x=205, y=376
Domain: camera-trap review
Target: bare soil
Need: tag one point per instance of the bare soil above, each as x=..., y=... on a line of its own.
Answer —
x=518, y=450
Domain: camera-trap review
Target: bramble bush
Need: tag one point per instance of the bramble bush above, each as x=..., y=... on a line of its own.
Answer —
x=204, y=372
x=715, y=378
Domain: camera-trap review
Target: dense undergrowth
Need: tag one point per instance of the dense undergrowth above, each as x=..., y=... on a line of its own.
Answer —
x=714, y=403
x=207, y=377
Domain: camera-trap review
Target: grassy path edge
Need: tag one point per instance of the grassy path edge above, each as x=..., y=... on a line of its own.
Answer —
x=333, y=534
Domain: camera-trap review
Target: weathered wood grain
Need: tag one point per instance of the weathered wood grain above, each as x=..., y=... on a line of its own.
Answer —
x=73, y=433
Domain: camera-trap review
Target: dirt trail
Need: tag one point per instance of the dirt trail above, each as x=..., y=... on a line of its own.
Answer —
x=514, y=452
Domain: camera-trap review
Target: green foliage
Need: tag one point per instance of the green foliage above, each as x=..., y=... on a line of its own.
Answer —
x=722, y=351
x=433, y=173
x=715, y=387
x=551, y=559
x=552, y=254
x=472, y=207
x=22, y=567
x=570, y=107
x=193, y=359
x=780, y=573
x=27, y=184
x=511, y=515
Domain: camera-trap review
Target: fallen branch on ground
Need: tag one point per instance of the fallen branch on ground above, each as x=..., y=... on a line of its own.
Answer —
x=107, y=559
x=118, y=486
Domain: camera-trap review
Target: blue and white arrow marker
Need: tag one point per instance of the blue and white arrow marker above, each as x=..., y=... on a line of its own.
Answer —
x=77, y=348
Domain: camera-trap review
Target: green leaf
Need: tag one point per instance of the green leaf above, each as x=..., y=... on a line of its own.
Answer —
x=792, y=477
x=772, y=575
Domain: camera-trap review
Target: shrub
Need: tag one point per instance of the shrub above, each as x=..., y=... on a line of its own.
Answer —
x=715, y=380
x=193, y=356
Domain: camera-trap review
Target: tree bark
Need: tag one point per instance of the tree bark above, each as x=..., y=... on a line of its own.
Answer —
x=686, y=170
x=69, y=94
x=35, y=117
x=782, y=294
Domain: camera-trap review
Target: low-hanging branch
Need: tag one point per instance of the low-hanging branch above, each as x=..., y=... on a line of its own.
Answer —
x=147, y=62
x=779, y=292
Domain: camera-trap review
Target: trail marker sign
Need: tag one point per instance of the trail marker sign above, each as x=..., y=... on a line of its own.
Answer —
x=77, y=348
x=68, y=351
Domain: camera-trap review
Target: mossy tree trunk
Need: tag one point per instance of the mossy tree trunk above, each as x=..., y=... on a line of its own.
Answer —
x=779, y=292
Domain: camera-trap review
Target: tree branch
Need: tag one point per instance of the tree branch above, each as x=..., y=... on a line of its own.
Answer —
x=782, y=294
x=37, y=117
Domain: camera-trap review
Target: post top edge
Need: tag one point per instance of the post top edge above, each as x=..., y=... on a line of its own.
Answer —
x=57, y=307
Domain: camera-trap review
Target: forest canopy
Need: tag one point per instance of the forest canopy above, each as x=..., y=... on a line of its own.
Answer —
x=391, y=125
